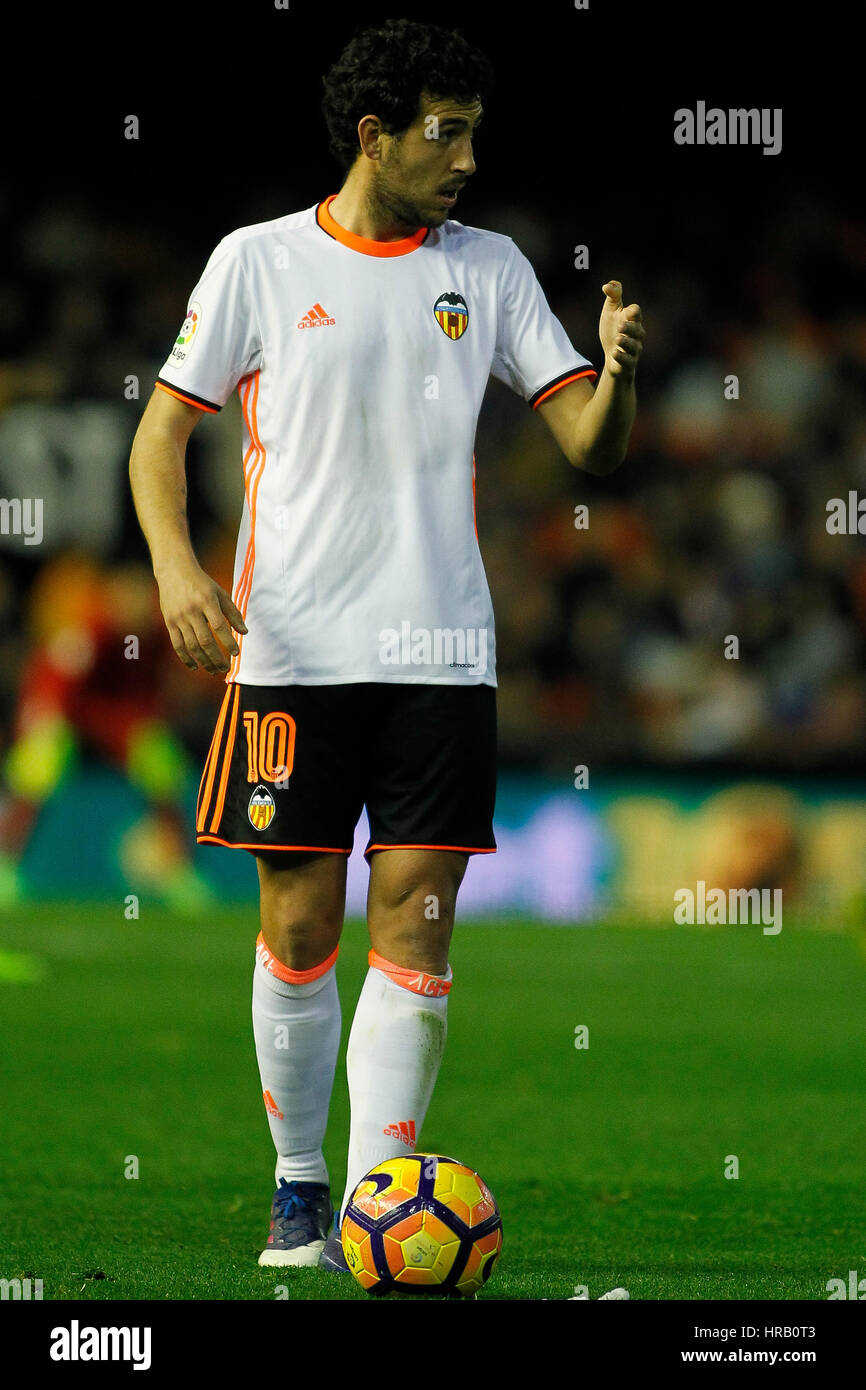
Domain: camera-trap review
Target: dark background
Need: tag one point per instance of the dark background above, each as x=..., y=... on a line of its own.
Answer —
x=610, y=641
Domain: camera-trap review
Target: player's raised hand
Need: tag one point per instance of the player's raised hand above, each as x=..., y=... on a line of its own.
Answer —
x=621, y=332
x=199, y=615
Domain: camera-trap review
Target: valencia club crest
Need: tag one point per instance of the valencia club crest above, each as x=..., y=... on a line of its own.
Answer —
x=261, y=808
x=452, y=314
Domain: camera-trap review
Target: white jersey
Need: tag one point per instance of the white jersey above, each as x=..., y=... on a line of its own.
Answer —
x=361, y=366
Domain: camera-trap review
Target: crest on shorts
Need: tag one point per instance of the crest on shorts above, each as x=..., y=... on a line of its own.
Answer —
x=261, y=808
x=452, y=314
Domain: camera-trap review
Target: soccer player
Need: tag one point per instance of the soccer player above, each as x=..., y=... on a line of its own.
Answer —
x=360, y=334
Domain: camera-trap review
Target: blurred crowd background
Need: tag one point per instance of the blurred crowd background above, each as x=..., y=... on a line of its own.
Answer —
x=611, y=637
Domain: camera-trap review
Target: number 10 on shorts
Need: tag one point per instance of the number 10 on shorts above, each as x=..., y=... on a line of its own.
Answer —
x=270, y=747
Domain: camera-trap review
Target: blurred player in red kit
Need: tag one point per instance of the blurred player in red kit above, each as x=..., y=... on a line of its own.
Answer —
x=96, y=682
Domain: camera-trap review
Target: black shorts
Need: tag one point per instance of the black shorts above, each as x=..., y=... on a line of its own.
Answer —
x=291, y=768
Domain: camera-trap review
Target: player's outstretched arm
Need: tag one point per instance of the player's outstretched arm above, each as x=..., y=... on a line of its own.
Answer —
x=198, y=613
x=593, y=427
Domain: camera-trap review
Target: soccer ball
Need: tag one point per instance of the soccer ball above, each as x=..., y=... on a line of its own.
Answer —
x=422, y=1224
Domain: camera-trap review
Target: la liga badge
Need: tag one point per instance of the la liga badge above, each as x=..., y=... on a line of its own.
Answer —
x=186, y=337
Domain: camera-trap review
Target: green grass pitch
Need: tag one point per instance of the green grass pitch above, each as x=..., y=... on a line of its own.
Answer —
x=134, y=1038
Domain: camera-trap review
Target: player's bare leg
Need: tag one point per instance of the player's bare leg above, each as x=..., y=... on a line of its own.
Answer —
x=410, y=905
x=303, y=899
x=400, y=1024
x=296, y=1022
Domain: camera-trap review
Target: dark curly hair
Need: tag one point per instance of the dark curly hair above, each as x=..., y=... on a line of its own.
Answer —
x=384, y=70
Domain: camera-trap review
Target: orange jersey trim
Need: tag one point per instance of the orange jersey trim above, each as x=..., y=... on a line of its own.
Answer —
x=366, y=245
x=283, y=972
x=589, y=371
x=253, y=468
x=474, y=517
x=189, y=400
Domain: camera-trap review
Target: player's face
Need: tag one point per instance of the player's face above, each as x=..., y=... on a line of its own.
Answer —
x=422, y=172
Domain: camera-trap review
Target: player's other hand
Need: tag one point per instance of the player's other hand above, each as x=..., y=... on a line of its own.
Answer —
x=199, y=616
x=621, y=333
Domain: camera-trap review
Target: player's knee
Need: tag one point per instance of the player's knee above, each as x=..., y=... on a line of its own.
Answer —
x=302, y=918
x=429, y=899
x=299, y=943
x=413, y=944
x=301, y=932
x=411, y=908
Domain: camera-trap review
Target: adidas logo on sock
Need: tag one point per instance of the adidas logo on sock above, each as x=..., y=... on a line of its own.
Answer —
x=271, y=1105
x=317, y=317
x=404, y=1130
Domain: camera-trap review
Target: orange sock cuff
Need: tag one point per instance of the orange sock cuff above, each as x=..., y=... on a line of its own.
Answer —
x=275, y=967
x=418, y=981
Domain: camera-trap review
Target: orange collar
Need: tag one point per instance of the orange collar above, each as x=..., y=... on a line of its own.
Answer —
x=364, y=244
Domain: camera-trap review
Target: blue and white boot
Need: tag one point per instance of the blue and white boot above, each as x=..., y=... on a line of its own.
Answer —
x=332, y=1257
x=300, y=1216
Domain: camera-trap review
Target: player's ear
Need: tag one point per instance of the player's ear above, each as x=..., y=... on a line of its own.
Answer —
x=369, y=134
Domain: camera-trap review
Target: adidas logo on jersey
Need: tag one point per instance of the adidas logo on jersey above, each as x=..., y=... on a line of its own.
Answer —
x=405, y=1131
x=317, y=317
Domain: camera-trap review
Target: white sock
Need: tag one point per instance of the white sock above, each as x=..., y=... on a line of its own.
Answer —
x=395, y=1047
x=296, y=1024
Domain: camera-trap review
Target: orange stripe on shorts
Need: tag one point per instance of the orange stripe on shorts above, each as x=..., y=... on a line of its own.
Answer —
x=211, y=763
x=227, y=762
